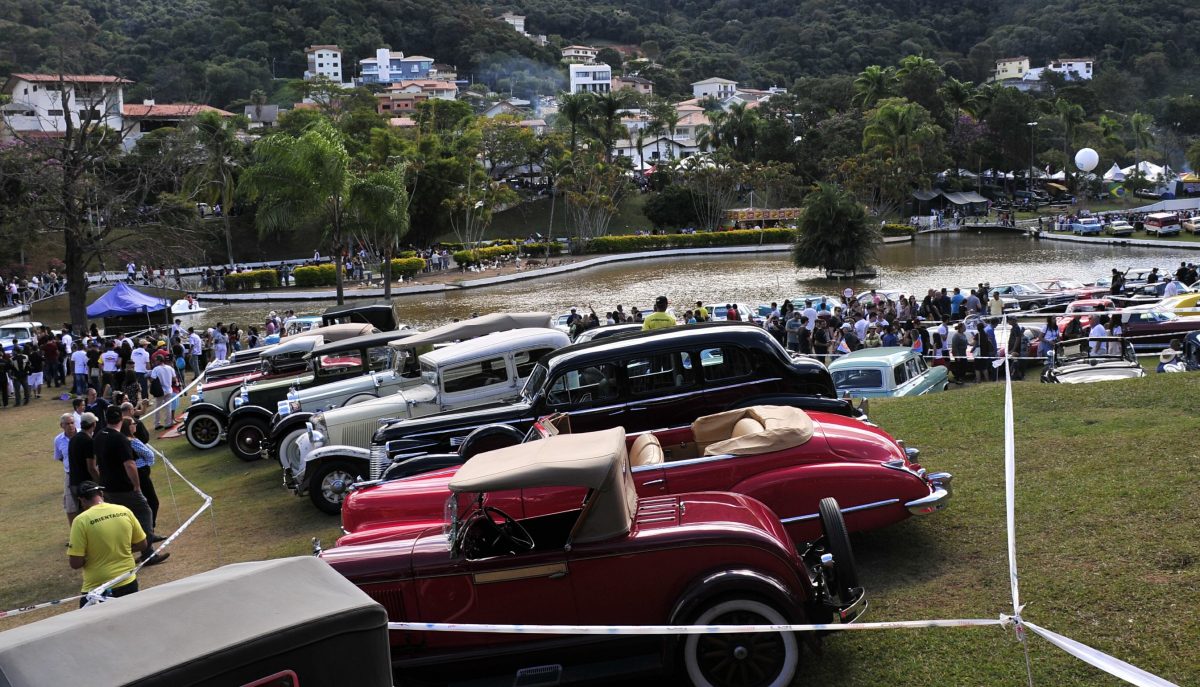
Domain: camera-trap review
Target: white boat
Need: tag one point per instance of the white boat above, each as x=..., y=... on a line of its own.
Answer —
x=184, y=306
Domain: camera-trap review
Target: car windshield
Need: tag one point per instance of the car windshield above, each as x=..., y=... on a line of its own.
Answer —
x=9, y=333
x=1159, y=316
x=533, y=385
x=1069, y=284
x=858, y=379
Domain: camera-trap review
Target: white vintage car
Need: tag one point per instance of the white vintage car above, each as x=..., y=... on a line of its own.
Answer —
x=326, y=453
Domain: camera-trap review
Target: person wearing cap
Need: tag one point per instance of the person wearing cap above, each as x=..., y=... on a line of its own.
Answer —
x=1168, y=361
x=103, y=539
x=850, y=337
x=660, y=318
x=872, y=339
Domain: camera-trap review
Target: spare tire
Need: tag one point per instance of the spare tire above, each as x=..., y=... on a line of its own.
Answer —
x=489, y=438
x=842, y=580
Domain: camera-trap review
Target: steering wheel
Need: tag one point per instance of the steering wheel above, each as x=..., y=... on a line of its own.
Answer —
x=510, y=535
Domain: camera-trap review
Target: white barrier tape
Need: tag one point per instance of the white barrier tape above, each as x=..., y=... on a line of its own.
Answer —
x=174, y=397
x=1010, y=488
x=1113, y=666
x=97, y=595
x=609, y=630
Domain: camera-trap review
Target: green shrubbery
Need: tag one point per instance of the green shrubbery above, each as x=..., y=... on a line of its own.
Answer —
x=474, y=257
x=899, y=230
x=736, y=237
x=261, y=279
x=315, y=275
x=406, y=267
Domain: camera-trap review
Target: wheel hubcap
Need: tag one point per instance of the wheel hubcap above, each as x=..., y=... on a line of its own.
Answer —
x=205, y=430
x=250, y=440
x=741, y=660
x=334, y=486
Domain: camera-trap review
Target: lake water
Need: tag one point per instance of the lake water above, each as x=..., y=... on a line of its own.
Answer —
x=933, y=260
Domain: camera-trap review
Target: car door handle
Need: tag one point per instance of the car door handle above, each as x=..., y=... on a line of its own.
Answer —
x=558, y=575
x=653, y=482
x=638, y=409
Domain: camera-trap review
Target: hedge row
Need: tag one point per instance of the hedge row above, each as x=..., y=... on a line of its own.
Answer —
x=737, y=237
x=406, y=267
x=474, y=257
x=899, y=230
x=315, y=275
x=262, y=279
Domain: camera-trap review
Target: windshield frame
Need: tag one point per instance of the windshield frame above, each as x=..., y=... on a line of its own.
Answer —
x=535, y=382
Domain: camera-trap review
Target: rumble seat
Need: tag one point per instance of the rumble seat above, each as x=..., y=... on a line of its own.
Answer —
x=646, y=450
x=753, y=430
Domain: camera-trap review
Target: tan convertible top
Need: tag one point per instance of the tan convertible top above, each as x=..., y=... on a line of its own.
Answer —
x=477, y=326
x=595, y=460
x=777, y=428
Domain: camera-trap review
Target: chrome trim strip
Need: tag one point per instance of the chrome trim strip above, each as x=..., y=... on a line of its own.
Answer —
x=929, y=504
x=511, y=574
x=851, y=509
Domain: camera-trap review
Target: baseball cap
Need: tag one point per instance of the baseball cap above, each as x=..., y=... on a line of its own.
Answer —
x=89, y=488
x=661, y=300
x=846, y=326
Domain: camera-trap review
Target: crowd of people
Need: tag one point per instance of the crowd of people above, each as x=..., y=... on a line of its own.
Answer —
x=21, y=290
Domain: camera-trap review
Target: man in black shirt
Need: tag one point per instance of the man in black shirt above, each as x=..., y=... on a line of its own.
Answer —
x=119, y=476
x=81, y=453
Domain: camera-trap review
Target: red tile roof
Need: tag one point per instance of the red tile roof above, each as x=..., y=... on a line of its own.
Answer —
x=169, y=110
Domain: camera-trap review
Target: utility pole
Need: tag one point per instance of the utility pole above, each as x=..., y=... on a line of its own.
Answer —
x=1032, y=137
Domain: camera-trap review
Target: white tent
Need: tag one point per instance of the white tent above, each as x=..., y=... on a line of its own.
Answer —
x=1058, y=176
x=1149, y=170
x=1114, y=174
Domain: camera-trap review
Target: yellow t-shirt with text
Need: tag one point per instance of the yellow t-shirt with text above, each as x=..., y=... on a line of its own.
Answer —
x=657, y=320
x=104, y=536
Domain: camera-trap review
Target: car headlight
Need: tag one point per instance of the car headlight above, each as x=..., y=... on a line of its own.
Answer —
x=239, y=402
x=197, y=398
x=294, y=405
x=283, y=408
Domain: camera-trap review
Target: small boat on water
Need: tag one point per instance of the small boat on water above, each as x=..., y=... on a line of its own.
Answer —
x=187, y=306
x=859, y=273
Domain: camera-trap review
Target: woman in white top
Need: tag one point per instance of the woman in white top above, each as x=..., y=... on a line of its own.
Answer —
x=1115, y=329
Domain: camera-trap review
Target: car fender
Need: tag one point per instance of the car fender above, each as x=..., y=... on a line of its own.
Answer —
x=255, y=412
x=315, y=458
x=287, y=423
x=209, y=409
x=740, y=581
x=870, y=494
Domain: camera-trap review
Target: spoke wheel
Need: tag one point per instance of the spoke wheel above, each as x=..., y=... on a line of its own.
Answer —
x=330, y=484
x=203, y=431
x=759, y=659
x=246, y=439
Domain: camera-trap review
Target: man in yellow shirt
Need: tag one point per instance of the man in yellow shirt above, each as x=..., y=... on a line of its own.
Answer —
x=701, y=312
x=659, y=319
x=103, y=539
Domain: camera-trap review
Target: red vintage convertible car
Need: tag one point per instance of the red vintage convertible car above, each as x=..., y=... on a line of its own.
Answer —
x=782, y=456
x=608, y=558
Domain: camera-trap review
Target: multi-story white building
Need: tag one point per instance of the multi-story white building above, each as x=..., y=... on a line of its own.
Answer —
x=324, y=60
x=579, y=54
x=590, y=78
x=1073, y=68
x=715, y=87
x=37, y=106
x=389, y=67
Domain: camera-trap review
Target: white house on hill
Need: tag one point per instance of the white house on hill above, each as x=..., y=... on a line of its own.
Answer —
x=715, y=87
x=590, y=78
x=36, y=105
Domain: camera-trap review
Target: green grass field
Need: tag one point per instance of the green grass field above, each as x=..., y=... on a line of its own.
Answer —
x=1108, y=532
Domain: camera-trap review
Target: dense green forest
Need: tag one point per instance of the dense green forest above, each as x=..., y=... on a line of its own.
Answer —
x=220, y=50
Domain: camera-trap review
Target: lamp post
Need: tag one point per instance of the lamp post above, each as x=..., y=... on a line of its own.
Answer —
x=1032, y=136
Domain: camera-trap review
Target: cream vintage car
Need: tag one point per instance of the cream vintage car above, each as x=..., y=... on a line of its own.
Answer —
x=330, y=449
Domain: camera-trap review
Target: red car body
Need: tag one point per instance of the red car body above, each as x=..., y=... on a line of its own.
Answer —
x=671, y=559
x=1084, y=305
x=1073, y=287
x=875, y=480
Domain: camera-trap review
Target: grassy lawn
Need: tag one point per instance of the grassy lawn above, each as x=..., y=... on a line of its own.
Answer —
x=1108, y=532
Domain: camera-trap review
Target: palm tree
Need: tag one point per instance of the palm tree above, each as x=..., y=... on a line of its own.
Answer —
x=668, y=117
x=741, y=131
x=1110, y=129
x=258, y=98
x=302, y=180
x=834, y=232
x=1070, y=115
x=380, y=202
x=605, y=121
x=961, y=96
x=872, y=85
x=893, y=127
x=640, y=143
x=712, y=135
x=1139, y=127
x=575, y=108
x=214, y=178
x=554, y=168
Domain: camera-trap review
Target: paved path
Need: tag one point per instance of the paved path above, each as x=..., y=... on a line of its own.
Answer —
x=1122, y=241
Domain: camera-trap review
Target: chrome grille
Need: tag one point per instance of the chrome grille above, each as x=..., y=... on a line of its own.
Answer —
x=379, y=460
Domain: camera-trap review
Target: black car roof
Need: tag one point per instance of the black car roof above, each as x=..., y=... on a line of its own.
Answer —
x=672, y=337
x=364, y=341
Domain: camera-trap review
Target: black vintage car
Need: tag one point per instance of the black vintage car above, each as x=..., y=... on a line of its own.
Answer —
x=381, y=314
x=255, y=403
x=661, y=378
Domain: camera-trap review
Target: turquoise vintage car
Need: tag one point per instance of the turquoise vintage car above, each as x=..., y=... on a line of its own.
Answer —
x=889, y=371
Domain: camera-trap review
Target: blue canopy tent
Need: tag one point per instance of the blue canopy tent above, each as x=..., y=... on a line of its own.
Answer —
x=124, y=301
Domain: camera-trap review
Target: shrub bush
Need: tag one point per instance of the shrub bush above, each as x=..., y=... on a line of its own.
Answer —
x=315, y=275
x=242, y=281
x=468, y=257
x=736, y=237
x=899, y=230
x=406, y=267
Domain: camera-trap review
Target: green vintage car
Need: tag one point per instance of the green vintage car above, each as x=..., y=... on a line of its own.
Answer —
x=888, y=371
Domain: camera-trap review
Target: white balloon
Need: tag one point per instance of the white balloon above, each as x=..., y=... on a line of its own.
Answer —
x=1087, y=159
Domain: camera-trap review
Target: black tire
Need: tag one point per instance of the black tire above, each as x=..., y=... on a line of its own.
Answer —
x=203, y=430
x=329, y=484
x=246, y=437
x=489, y=438
x=843, y=578
x=763, y=659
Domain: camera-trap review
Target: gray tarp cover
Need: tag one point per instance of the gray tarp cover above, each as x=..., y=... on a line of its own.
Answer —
x=143, y=634
x=478, y=326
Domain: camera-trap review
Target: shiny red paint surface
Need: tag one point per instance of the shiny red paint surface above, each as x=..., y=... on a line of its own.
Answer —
x=635, y=578
x=1083, y=305
x=844, y=459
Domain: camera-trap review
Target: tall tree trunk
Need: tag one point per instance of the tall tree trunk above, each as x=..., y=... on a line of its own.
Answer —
x=337, y=250
x=550, y=229
x=77, y=284
x=228, y=235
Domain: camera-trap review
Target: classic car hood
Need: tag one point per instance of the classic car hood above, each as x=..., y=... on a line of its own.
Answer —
x=854, y=440
x=381, y=560
x=270, y=383
x=344, y=385
x=470, y=417
x=393, y=405
x=418, y=499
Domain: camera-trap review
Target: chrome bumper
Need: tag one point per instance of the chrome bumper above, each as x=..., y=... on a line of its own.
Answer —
x=939, y=499
x=856, y=608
